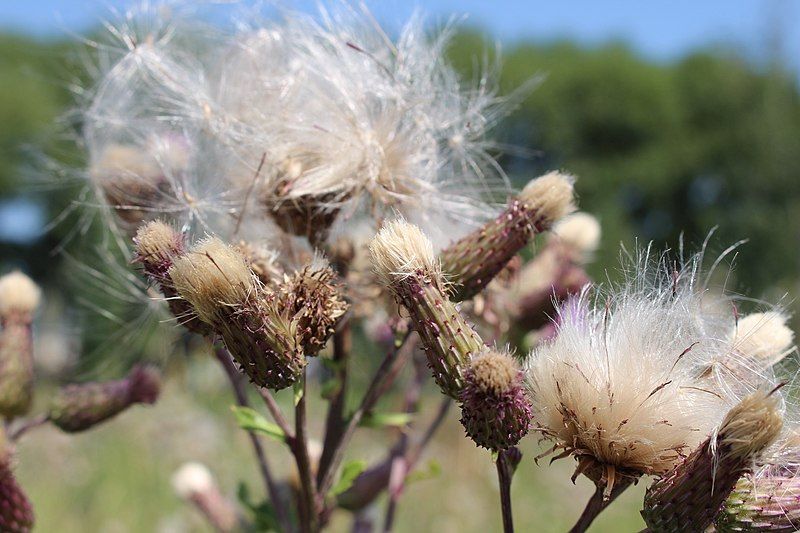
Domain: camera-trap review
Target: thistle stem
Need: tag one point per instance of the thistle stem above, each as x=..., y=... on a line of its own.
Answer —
x=335, y=423
x=504, y=475
x=402, y=352
x=241, y=398
x=597, y=504
x=27, y=425
x=276, y=412
x=309, y=517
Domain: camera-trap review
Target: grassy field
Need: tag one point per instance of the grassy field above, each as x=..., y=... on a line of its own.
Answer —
x=115, y=479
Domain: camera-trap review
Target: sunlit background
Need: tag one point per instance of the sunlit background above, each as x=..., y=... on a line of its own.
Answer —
x=678, y=117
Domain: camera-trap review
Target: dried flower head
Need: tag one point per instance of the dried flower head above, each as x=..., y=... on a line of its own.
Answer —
x=634, y=381
x=131, y=181
x=764, y=337
x=19, y=295
x=257, y=330
x=474, y=260
x=495, y=410
x=213, y=277
x=319, y=121
x=690, y=496
x=82, y=406
x=313, y=298
x=157, y=246
x=403, y=259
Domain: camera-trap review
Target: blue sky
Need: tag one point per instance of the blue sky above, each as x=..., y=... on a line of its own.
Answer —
x=658, y=28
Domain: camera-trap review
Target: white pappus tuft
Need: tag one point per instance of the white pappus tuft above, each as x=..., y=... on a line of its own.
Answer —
x=298, y=114
x=639, y=374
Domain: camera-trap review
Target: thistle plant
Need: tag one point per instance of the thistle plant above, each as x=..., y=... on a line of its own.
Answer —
x=288, y=185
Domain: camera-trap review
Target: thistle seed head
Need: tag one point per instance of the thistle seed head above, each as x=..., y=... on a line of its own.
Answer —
x=493, y=372
x=579, y=233
x=495, y=409
x=404, y=261
x=474, y=260
x=212, y=275
x=764, y=336
x=748, y=428
x=313, y=298
x=400, y=250
x=157, y=245
x=549, y=197
x=637, y=376
x=689, y=497
x=19, y=296
x=131, y=181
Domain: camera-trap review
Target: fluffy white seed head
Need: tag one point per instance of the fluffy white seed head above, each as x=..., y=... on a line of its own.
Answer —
x=763, y=336
x=551, y=196
x=580, y=232
x=191, y=479
x=211, y=276
x=18, y=294
x=344, y=117
x=399, y=250
x=639, y=375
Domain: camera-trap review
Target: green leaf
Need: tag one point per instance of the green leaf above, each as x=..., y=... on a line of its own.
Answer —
x=350, y=472
x=433, y=470
x=250, y=420
x=380, y=420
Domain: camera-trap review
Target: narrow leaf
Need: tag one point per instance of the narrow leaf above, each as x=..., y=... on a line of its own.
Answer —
x=250, y=420
x=379, y=420
x=350, y=472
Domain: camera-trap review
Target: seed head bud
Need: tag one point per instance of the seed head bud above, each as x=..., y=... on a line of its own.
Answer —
x=579, y=233
x=215, y=279
x=770, y=503
x=157, y=245
x=764, y=336
x=476, y=259
x=80, y=407
x=194, y=483
x=16, y=513
x=495, y=410
x=549, y=198
x=689, y=497
x=131, y=180
x=404, y=260
x=313, y=298
x=19, y=297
